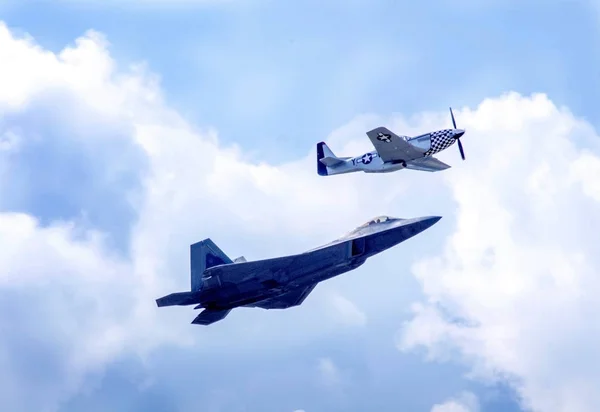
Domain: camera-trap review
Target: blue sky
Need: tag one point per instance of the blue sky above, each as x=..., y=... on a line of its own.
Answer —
x=274, y=78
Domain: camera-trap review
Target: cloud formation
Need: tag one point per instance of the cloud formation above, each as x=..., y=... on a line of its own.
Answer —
x=88, y=243
x=513, y=291
x=102, y=189
x=465, y=402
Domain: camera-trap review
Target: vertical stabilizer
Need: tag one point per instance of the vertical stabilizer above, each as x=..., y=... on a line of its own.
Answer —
x=204, y=255
x=325, y=159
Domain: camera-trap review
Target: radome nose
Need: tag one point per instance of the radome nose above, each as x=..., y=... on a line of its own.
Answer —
x=427, y=222
x=458, y=133
x=418, y=225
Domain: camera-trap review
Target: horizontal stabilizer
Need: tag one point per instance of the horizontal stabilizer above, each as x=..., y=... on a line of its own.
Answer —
x=178, y=299
x=240, y=259
x=208, y=316
x=331, y=161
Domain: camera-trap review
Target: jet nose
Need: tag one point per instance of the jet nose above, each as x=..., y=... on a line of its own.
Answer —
x=458, y=133
x=403, y=229
x=417, y=225
x=426, y=222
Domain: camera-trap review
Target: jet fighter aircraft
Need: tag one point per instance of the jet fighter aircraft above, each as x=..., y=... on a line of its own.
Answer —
x=393, y=152
x=219, y=284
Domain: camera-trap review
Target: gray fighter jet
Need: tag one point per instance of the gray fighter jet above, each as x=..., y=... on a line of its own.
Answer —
x=219, y=284
x=393, y=152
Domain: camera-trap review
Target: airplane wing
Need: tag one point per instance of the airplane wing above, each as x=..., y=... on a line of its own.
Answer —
x=392, y=147
x=208, y=316
x=285, y=300
x=427, y=164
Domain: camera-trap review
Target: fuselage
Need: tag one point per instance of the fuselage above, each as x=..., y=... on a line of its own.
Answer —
x=371, y=162
x=325, y=262
x=231, y=295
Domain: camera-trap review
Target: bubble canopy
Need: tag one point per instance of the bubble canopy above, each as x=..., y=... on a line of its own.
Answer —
x=378, y=219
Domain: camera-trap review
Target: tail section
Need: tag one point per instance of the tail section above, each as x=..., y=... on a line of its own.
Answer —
x=325, y=159
x=178, y=299
x=204, y=255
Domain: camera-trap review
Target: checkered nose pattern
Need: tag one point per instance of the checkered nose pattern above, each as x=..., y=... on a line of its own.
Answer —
x=440, y=140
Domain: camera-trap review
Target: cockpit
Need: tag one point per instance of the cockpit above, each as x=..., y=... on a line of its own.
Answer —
x=372, y=222
x=422, y=142
x=362, y=229
x=379, y=219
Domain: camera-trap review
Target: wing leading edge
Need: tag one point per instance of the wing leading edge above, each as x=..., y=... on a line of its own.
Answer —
x=392, y=147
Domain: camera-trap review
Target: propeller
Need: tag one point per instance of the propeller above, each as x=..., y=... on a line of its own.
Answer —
x=457, y=135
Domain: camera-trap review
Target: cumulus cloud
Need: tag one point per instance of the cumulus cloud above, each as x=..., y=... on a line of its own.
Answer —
x=466, y=402
x=513, y=292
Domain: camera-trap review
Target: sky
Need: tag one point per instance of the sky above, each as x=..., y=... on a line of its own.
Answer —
x=131, y=129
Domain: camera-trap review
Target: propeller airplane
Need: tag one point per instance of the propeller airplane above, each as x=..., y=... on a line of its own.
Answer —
x=393, y=152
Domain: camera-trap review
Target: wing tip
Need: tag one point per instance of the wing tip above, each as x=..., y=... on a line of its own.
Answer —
x=378, y=129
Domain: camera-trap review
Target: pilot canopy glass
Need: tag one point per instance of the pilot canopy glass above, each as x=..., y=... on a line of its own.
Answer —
x=379, y=219
x=422, y=142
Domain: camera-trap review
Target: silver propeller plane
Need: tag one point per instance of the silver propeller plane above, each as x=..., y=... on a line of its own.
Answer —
x=393, y=152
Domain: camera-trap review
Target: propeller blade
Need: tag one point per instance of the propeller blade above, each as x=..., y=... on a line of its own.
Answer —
x=462, y=152
x=452, y=115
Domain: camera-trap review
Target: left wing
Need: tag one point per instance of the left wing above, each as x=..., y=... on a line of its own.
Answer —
x=392, y=147
x=285, y=300
x=427, y=164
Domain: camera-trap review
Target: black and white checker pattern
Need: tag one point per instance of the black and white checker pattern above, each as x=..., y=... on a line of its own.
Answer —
x=440, y=140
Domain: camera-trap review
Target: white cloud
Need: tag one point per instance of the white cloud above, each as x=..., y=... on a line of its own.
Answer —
x=328, y=372
x=514, y=291
x=345, y=311
x=466, y=402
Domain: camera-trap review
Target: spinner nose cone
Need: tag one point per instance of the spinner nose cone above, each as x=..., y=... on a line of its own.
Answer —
x=458, y=133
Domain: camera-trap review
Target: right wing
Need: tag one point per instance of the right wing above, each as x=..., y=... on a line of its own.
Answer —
x=427, y=164
x=392, y=147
